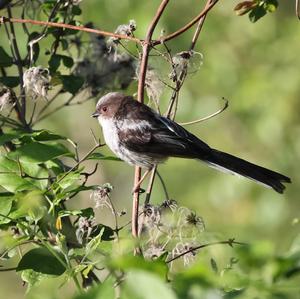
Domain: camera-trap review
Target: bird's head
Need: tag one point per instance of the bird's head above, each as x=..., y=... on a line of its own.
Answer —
x=108, y=105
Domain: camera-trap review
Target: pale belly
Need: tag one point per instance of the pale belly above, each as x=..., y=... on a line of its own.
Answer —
x=112, y=140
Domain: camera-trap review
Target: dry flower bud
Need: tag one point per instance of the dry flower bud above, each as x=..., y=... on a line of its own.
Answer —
x=37, y=81
x=100, y=196
x=7, y=98
x=187, y=250
x=185, y=61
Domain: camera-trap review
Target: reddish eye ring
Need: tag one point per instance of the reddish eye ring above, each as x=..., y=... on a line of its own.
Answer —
x=104, y=109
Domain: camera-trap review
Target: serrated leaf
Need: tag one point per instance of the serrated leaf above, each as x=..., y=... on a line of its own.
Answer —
x=5, y=59
x=41, y=260
x=36, y=152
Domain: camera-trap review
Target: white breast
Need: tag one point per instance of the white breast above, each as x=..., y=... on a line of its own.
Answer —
x=110, y=134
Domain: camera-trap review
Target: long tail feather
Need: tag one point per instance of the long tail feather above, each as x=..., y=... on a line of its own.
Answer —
x=228, y=163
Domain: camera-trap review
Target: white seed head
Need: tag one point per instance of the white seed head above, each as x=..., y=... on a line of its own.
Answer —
x=37, y=81
x=7, y=98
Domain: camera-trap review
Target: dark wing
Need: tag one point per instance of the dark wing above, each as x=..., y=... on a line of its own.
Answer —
x=157, y=135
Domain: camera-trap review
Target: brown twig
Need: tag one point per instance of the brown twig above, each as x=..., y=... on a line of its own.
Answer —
x=150, y=186
x=229, y=242
x=207, y=117
x=68, y=26
x=188, y=25
x=181, y=77
x=142, y=77
x=297, y=8
x=19, y=108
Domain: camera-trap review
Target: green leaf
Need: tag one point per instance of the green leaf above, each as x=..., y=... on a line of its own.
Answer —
x=33, y=278
x=54, y=63
x=257, y=13
x=71, y=83
x=7, y=137
x=6, y=200
x=10, y=81
x=98, y=156
x=41, y=260
x=152, y=286
x=69, y=179
x=44, y=135
x=76, y=10
x=130, y=262
x=67, y=61
x=271, y=5
x=36, y=152
x=10, y=178
x=5, y=59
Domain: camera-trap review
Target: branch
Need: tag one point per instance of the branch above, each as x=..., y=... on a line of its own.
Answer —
x=73, y=27
x=19, y=108
x=207, y=117
x=229, y=242
x=187, y=26
x=181, y=77
x=142, y=77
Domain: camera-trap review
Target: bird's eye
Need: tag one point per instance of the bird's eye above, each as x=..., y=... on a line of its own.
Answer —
x=104, y=109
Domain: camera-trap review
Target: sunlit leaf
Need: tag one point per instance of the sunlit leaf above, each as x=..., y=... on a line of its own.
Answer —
x=36, y=152
x=6, y=200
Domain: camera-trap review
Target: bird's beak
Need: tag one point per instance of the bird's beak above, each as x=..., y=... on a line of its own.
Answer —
x=95, y=114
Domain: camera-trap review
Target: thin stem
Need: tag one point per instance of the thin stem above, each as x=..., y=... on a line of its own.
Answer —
x=181, y=77
x=79, y=162
x=163, y=185
x=187, y=26
x=229, y=242
x=297, y=8
x=141, y=89
x=73, y=27
x=150, y=185
x=115, y=216
x=19, y=108
x=135, y=204
x=207, y=117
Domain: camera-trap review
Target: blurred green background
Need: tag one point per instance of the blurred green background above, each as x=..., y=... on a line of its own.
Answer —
x=257, y=68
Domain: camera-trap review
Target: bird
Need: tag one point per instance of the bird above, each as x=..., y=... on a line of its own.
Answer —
x=141, y=137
